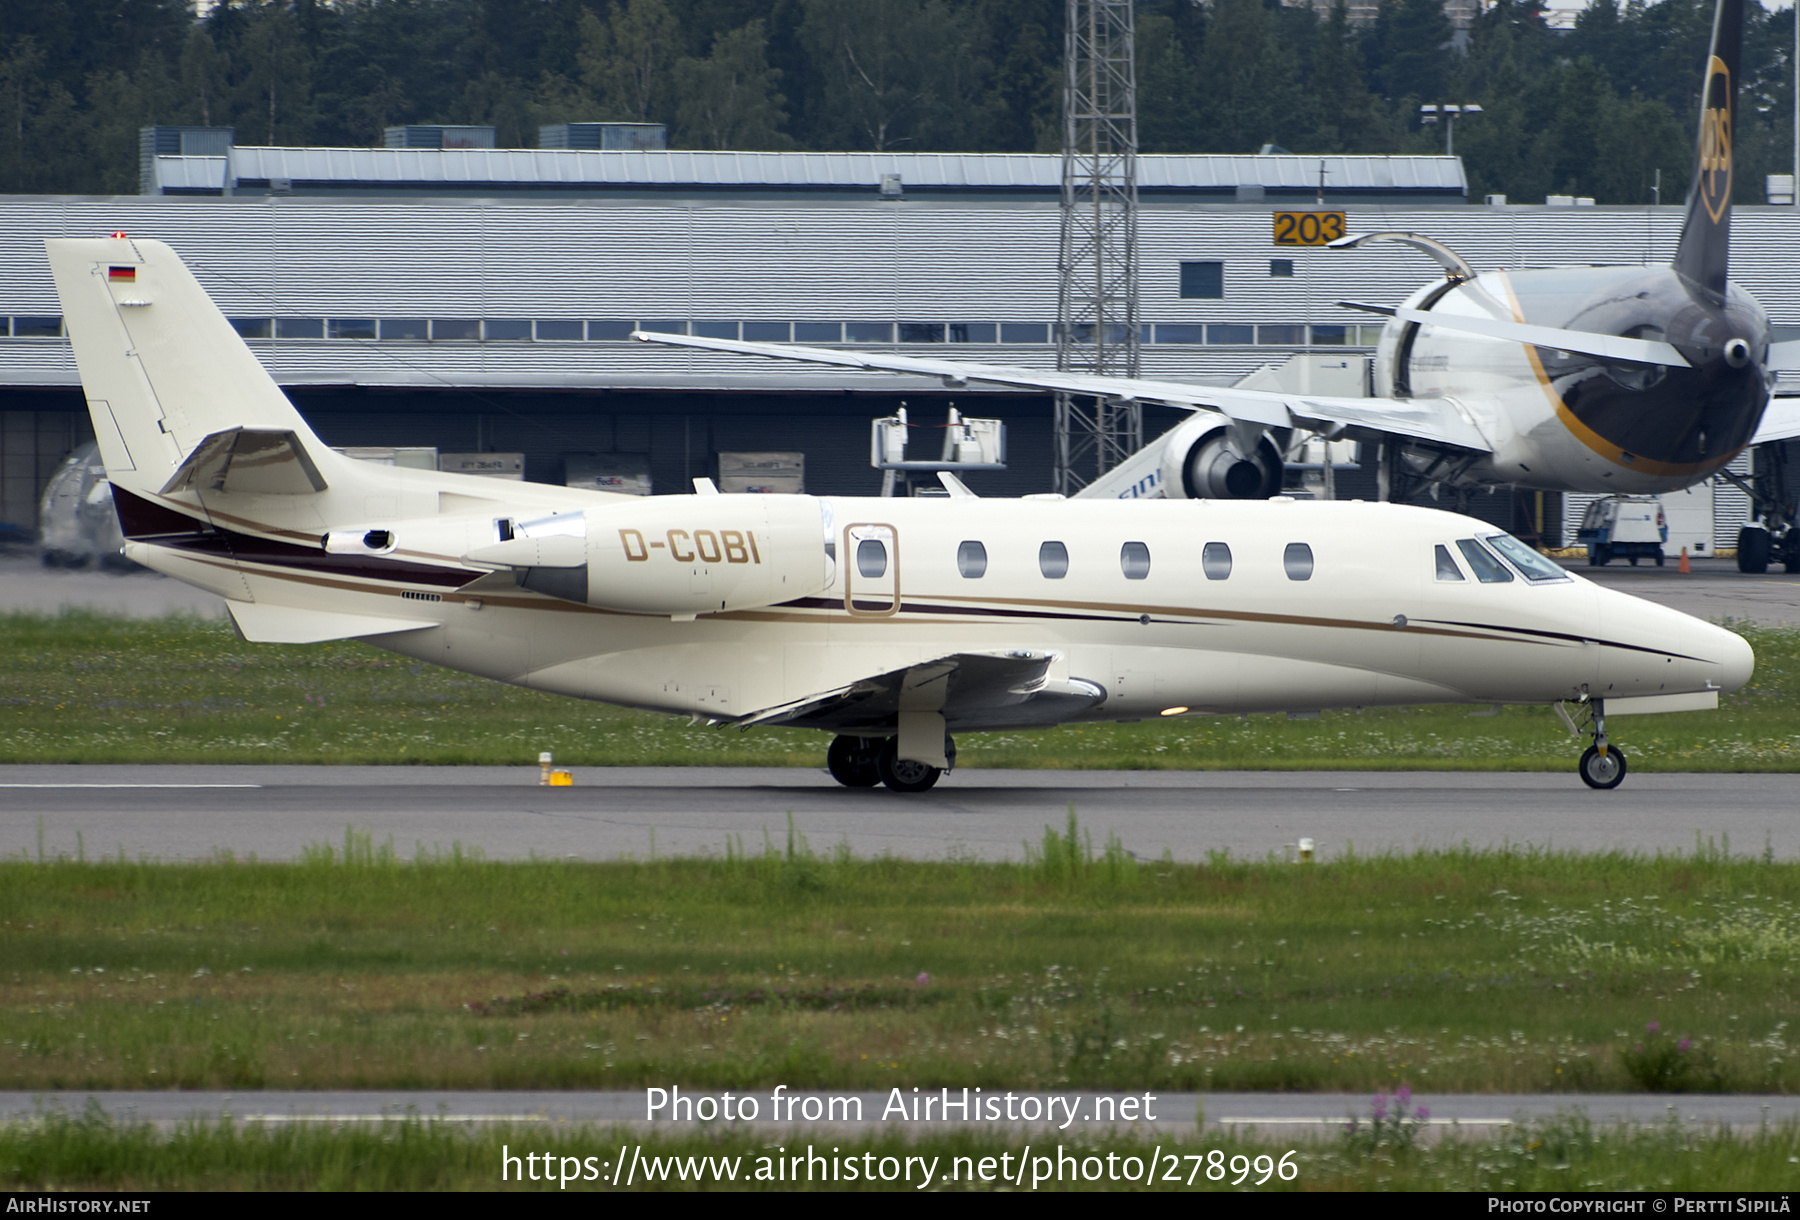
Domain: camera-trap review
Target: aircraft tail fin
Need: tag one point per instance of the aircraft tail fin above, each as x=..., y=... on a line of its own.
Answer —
x=1702, y=257
x=170, y=384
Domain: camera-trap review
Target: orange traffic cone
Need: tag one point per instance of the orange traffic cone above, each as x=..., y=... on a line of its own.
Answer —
x=1684, y=569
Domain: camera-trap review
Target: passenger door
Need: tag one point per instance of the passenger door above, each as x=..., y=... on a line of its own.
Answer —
x=871, y=569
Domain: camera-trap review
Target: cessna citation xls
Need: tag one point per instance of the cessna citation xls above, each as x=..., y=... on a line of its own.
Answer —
x=889, y=622
x=1629, y=379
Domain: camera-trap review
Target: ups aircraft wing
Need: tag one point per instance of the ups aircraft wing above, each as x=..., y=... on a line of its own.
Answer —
x=1435, y=420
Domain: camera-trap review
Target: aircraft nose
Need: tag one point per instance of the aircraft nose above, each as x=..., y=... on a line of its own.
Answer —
x=1737, y=660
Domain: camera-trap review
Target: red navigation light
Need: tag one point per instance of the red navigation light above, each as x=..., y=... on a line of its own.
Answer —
x=119, y=233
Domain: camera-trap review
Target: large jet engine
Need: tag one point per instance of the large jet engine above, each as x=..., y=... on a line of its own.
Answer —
x=1208, y=457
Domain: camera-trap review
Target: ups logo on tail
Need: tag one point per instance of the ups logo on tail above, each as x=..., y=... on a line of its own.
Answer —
x=1715, y=140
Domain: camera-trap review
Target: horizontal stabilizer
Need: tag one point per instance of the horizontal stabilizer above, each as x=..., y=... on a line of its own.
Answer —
x=1780, y=421
x=261, y=623
x=251, y=461
x=1590, y=343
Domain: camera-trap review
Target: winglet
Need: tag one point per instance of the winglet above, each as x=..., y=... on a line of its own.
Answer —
x=1702, y=256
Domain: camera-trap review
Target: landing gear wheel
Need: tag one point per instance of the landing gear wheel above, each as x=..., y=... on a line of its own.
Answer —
x=1602, y=771
x=1753, y=550
x=852, y=761
x=902, y=774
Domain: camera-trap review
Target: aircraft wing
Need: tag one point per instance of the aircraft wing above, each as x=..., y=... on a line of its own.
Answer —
x=970, y=689
x=1780, y=421
x=1424, y=419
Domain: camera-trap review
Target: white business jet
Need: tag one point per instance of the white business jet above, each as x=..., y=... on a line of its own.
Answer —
x=1628, y=379
x=891, y=623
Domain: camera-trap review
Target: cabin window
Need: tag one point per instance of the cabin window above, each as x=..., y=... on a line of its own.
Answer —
x=1297, y=561
x=971, y=560
x=871, y=558
x=1134, y=560
x=1053, y=560
x=1535, y=566
x=1215, y=560
x=1446, y=566
x=1488, y=570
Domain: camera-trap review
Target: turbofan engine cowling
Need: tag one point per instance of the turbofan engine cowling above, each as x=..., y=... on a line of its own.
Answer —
x=674, y=555
x=1204, y=461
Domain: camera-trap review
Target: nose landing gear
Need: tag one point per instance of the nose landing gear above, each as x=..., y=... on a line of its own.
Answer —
x=863, y=762
x=1602, y=765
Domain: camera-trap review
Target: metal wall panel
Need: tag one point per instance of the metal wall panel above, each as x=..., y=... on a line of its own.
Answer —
x=788, y=261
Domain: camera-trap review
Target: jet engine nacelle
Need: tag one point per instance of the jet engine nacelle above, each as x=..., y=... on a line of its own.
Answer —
x=1209, y=458
x=674, y=555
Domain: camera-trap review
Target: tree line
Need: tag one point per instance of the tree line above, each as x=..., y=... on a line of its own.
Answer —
x=1596, y=111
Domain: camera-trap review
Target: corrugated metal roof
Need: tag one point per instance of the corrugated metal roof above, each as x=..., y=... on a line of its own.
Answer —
x=813, y=170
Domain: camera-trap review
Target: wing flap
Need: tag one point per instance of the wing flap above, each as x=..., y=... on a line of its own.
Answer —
x=968, y=689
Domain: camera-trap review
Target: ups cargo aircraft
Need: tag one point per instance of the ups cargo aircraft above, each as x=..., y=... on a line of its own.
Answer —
x=891, y=623
x=1619, y=380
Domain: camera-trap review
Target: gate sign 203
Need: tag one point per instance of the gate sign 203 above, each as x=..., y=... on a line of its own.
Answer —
x=1308, y=228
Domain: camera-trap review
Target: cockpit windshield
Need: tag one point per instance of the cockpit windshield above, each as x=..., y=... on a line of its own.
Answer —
x=1533, y=566
x=1488, y=570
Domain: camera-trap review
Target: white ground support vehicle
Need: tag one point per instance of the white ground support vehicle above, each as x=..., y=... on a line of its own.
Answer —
x=1624, y=527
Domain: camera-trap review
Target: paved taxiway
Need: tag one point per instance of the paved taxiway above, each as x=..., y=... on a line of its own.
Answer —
x=189, y=812
x=1174, y=1113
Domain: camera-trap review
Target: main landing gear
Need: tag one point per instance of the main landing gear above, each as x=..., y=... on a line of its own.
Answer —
x=1602, y=765
x=863, y=762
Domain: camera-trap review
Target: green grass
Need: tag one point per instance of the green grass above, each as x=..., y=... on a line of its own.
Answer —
x=86, y=688
x=1463, y=971
x=1563, y=1154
